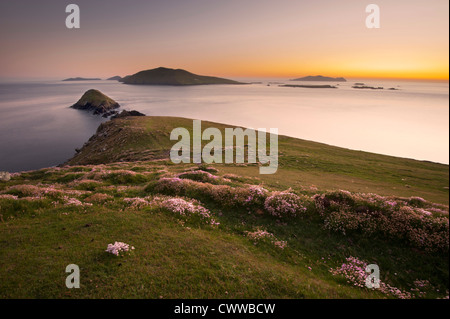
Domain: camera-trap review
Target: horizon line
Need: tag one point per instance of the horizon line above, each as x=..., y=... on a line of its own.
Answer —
x=36, y=78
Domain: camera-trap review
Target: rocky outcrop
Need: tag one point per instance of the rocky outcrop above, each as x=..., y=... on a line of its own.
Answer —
x=96, y=101
x=125, y=113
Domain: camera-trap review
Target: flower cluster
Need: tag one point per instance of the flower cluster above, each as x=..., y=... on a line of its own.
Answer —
x=263, y=235
x=354, y=271
x=285, y=204
x=259, y=234
x=32, y=190
x=118, y=247
x=173, y=186
x=280, y=204
x=223, y=194
x=188, y=210
x=45, y=192
x=8, y=196
x=256, y=196
x=422, y=287
x=40, y=191
x=425, y=227
x=70, y=201
x=118, y=176
x=421, y=230
x=345, y=222
x=280, y=244
x=226, y=195
x=416, y=201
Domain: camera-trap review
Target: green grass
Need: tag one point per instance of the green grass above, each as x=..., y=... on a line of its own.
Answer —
x=169, y=261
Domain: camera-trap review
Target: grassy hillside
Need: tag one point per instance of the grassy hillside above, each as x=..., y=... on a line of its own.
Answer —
x=302, y=164
x=223, y=231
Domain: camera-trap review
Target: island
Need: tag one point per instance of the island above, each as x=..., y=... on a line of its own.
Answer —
x=372, y=87
x=114, y=78
x=81, y=79
x=309, y=86
x=320, y=78
x=94, y=100
x=368, y=87
x=178, y=77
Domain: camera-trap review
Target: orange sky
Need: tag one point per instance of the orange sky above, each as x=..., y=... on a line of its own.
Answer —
x=230, y=38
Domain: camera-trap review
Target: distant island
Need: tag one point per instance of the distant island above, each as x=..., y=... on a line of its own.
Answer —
x=318, y=78
x=115, y=78
x=82, y=79
x=166, y=76
x=367, y=87
x=309, y=86
x=372, y=87
x=94, y=100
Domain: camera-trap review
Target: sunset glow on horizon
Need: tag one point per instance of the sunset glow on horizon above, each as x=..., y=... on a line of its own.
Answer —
x=228, y=39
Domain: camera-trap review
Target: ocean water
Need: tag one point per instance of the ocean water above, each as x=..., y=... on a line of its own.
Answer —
x=38, y=129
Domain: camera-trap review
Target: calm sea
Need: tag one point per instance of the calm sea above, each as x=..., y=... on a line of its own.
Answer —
x=38, y=129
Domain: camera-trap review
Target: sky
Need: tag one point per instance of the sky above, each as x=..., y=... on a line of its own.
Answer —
x=232, y=38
